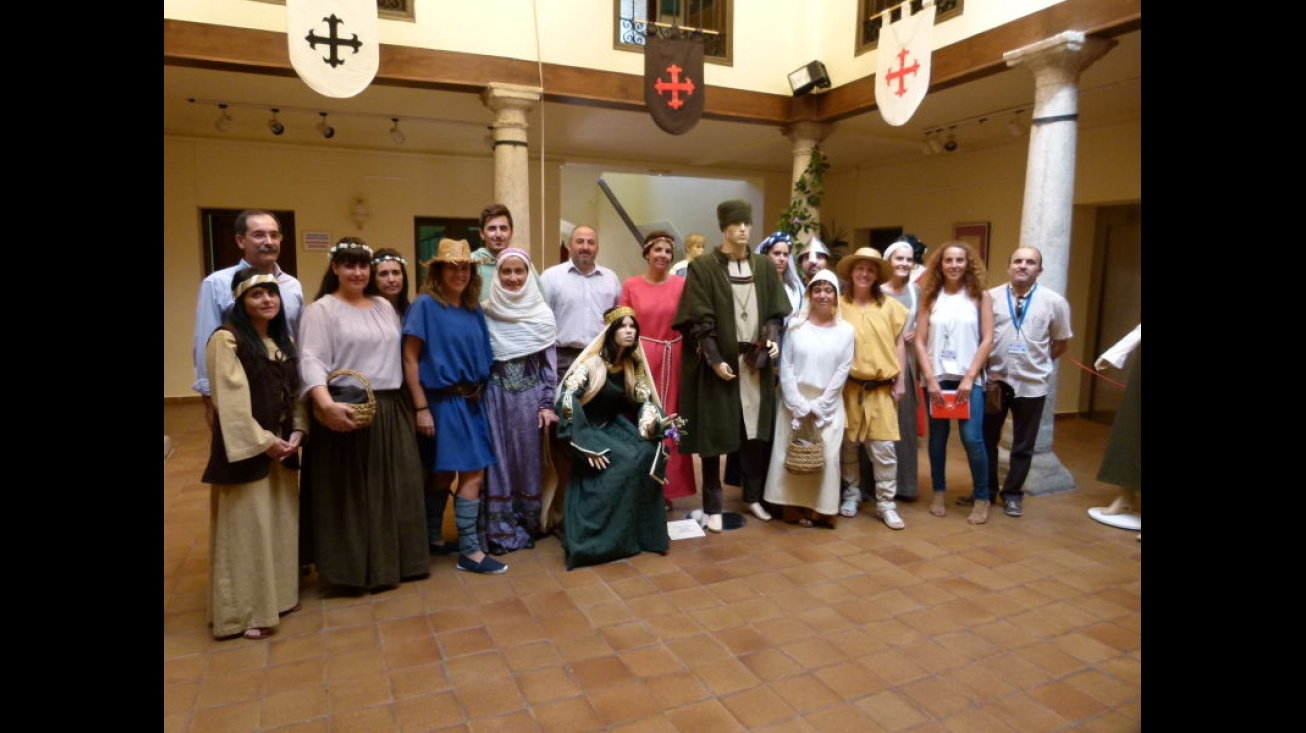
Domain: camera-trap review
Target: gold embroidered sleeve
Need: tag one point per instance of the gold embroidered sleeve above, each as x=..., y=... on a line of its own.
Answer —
x=572, y=386
x=649, y=419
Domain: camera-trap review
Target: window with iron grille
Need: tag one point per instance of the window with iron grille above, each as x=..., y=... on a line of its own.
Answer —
x=871, y=17
x=635, y=20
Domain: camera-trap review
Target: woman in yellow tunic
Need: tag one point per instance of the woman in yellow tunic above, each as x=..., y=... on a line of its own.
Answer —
x=253, y=463
x=875, y=382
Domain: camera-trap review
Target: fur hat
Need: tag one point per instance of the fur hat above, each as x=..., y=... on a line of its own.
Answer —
x=733, y=212
x=885, y=272
x=453, y=250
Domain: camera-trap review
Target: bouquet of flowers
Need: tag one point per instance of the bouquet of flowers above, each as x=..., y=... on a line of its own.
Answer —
x=674, y=427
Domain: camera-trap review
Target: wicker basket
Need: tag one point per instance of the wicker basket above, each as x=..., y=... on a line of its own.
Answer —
x=805, y=452
x=363, y=411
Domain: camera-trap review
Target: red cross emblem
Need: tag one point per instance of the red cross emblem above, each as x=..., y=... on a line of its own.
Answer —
x=675, y=86
x=901, y=72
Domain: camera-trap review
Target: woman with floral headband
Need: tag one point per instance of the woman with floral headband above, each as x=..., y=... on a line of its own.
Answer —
x=390, y=272
x=365, y=482
x=609, y=414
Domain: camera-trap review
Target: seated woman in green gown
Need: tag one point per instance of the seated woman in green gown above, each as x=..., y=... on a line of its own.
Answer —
x=610, y=416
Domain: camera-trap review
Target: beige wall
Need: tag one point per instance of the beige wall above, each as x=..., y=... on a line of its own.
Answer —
x=924, y=197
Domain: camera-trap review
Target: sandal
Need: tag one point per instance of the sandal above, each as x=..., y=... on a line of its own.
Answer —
x=892, y=519
x=939, y=505
x=804, y=522
x=979, y=514
x=257, y=633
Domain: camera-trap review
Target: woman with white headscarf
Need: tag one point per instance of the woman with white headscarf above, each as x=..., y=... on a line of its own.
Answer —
x=814, y=365
x=518, y=402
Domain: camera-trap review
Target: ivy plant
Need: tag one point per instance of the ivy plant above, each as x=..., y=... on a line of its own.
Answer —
x=799, y=217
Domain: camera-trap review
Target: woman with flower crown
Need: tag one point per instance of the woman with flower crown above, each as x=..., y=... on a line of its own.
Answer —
x=369, y=521
x=610, y=416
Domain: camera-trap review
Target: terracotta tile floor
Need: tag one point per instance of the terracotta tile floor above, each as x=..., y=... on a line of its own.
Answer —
x=1029, y=624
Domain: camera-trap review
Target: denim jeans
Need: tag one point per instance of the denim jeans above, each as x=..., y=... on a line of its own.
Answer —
x=972, y=438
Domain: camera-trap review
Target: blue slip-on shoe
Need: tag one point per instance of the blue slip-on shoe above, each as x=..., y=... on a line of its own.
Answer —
x=487, y=565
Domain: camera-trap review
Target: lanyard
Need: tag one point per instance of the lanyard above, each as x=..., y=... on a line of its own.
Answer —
x=1011, y=308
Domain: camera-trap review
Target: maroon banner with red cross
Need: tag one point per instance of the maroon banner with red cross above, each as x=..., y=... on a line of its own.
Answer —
x=673, y=82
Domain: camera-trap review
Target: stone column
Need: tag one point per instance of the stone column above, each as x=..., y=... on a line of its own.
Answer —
x=805, y=136
x=1056, y=63
x=511, y=103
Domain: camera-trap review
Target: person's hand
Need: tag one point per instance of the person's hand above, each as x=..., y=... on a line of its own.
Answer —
x=425, y=423
x=899, y=388
x=909, y=336
x=281, y=450
x=337, y=416
x=1101, y=364
x=773, y=349
x=963, y=390
x=547, y=417
x=295, y=439
x=724, y=371
x=598, y=462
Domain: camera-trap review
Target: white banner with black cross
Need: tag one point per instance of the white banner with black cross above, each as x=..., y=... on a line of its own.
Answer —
x=334, y=44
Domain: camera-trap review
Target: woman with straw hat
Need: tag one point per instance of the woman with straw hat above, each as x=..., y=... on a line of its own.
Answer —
x=447, y=361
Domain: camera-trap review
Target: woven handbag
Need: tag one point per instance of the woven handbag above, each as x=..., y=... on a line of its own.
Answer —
x=362, y=402
x=805, y=452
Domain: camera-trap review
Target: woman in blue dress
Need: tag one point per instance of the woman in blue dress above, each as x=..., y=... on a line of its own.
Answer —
x=447, y=361
x=609, y=415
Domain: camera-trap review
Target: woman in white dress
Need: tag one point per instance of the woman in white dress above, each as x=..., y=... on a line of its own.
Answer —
x=814, y=364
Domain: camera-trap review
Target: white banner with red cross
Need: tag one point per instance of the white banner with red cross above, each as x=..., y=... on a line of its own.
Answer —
x=334, y=44
x=902, y=74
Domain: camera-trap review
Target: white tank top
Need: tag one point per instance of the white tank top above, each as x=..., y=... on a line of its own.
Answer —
x=954, y=335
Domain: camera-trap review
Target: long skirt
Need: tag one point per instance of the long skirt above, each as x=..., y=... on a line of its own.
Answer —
x=369, y=515
x=253, y=563
x=816, y=492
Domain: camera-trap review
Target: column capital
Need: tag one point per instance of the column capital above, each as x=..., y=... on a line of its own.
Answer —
x=1068, y=50
x=499, y=96
x=807, y=133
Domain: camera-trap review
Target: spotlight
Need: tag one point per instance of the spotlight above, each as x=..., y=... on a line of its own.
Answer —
x=808, y=77
x=933, y=139
x=951, y=143
x=223, y=123
x=327, y=131
x=274, y=125
x=395, y=133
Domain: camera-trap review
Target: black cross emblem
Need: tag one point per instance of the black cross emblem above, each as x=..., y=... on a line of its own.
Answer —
x=333, y=40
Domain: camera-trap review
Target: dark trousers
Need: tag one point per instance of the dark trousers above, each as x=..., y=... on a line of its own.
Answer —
x=754, y=460
x=1025, y=415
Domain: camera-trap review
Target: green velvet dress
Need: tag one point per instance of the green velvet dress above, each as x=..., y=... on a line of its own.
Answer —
x=616, y=512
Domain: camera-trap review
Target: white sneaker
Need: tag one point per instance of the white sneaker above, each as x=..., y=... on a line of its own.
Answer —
x=760, y=511
x=849, y=508
x=714, y=523
x=891, y=518
x=698, y=516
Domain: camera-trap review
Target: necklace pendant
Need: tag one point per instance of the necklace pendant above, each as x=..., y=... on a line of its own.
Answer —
x=744, y=315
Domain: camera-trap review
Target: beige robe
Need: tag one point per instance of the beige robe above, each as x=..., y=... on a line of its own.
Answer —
x=253, y=527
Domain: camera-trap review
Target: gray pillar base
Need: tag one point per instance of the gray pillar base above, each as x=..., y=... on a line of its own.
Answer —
x=1047, y=476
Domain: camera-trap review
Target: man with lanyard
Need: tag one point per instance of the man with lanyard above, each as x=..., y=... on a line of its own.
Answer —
x=1031, y=328
x=258, y=235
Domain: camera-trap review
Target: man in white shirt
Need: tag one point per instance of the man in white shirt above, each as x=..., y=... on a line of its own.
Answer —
x=258, y=235
x=579, y=291
x=1031, y=328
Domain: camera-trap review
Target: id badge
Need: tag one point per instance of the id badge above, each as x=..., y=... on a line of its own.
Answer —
x=1017, y=347
x=948, y=355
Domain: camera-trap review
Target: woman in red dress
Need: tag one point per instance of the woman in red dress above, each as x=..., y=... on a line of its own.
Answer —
x=655, y=295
